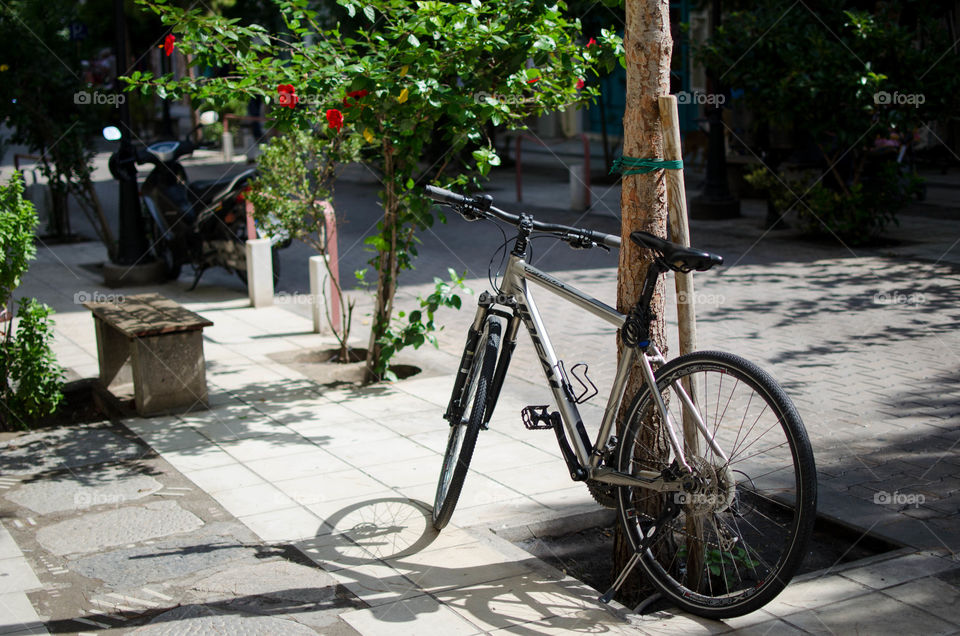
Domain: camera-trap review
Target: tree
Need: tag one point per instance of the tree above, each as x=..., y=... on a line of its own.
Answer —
x=419, y=73
x=49, y=105
x=648, y=46
x=290, y=197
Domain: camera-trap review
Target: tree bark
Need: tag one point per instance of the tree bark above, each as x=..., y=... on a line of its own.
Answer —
x=387, y=270
x=648, y=45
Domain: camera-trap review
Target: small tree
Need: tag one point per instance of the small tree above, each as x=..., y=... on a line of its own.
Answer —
x=291, y=195
x=418, y=74
x=32, y=380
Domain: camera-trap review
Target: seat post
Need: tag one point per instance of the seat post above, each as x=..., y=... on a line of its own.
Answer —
x=636, y=329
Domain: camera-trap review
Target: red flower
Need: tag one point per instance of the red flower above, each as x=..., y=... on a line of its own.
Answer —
x=533, y=81
x=580, y=84
x=591, y=43
x=287, y=96
x=335, y=119
x=356, y=95
x=168, y=43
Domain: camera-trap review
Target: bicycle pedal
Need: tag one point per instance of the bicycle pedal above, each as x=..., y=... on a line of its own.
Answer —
x=536, y=417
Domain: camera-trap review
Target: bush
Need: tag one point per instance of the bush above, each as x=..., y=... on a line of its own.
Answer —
x=32, y=380
x=854, y=217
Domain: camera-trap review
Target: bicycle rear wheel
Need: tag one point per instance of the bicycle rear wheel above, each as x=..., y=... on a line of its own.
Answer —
x=466, y=419
x=746, y=518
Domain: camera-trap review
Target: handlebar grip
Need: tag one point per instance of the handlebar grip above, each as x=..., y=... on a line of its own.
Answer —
x=445, y=196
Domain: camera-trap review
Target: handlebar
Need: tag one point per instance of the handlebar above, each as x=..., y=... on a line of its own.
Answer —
x=479, y=207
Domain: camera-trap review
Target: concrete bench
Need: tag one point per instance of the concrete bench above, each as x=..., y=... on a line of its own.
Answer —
x=155, y=344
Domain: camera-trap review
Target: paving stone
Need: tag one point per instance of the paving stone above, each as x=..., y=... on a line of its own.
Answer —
x=305, y=594
x=131, y=524
x=877, y=615
x=199, y=620
x=18, y=614
x=931, y=595
x=80, y=489
x=214, y=546
x=900, y=570
x=66, y=447
x=16, y=575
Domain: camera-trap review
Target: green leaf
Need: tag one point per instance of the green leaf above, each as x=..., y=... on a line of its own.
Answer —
x=370, y=12
x=414, y=42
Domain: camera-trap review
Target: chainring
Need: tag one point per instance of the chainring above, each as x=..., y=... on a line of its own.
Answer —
x=603, y=494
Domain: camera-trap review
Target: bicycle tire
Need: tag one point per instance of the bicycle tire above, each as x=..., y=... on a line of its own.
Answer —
x=463, y=432
x=741, y=536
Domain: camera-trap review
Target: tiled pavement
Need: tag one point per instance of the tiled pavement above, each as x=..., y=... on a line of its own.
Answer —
x=865, y=345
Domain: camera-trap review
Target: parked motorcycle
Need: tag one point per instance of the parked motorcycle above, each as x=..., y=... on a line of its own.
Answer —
x=202, y=223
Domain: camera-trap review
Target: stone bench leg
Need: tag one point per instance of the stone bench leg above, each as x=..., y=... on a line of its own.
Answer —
x=113, y=352
x=169, y=372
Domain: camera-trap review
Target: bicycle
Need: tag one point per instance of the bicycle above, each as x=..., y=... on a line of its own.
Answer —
x=718, y=532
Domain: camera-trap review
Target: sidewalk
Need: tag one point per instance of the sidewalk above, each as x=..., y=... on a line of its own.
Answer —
x=347, y=475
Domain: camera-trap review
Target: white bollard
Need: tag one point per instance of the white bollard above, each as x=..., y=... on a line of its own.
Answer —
x=260, y=272
x=226, y=141
x=578, y=188
x=318, y=297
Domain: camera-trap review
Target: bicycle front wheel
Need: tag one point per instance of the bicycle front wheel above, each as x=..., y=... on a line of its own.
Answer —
x=747, y=512
x=465, y=420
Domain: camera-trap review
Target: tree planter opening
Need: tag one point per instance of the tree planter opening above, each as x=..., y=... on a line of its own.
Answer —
x=323, y=366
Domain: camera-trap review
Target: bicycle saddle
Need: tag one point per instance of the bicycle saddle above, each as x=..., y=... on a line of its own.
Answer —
x=677, y=257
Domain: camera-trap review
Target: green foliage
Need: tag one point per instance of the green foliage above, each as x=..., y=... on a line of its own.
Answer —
x=290, y=197
x=412, y=330
x=855, y=217
x=33, y=382
x=31, y=377
x=17, y=248
x=416, y=84
x=842, y=78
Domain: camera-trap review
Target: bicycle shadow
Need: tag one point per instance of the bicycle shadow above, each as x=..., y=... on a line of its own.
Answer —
x=387, y=552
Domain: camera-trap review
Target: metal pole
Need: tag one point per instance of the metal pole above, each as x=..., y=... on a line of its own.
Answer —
x=132, y=245
x=715, y=201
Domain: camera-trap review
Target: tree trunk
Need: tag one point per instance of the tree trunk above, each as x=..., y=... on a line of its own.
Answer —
x=387, y=268
x=643, y=201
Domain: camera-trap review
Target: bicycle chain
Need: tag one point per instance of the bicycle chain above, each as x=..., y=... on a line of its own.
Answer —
x=605, y=495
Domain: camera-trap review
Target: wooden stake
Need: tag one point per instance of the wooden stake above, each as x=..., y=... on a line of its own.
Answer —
x=686, y=314
x=679, y=231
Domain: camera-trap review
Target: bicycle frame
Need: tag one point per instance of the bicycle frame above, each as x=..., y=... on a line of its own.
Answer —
x=516, y=296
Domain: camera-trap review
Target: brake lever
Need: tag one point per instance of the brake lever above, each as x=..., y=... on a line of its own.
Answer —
x=580, y=242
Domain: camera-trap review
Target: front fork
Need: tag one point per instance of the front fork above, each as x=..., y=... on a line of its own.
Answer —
x=508, y=343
